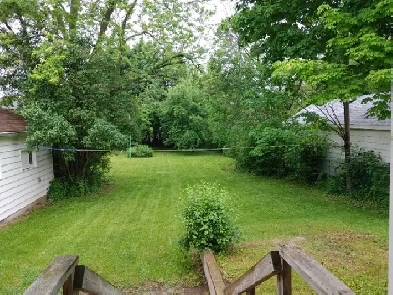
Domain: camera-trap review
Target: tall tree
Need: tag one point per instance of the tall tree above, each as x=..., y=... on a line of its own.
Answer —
x=73, y=70
x=184, y=116
x=339, y=49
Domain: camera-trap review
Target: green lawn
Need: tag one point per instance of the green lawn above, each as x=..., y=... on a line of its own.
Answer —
x=129, y=233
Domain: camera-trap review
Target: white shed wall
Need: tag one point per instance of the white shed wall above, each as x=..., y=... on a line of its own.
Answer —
x=371, y=140
x=21, y=187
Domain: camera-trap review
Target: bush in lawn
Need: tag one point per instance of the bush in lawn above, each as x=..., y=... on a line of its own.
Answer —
x=140, y=151
x=292, y=151
x=369, y=178
x=208, y=219
x=63, y=188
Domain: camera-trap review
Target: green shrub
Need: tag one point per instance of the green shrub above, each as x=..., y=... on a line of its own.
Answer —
x=140, y=151
x=62, y=188
x=369, y=178
x=289, y=151
x=208, y=220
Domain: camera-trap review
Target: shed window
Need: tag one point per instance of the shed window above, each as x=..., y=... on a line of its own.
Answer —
x=28, y=159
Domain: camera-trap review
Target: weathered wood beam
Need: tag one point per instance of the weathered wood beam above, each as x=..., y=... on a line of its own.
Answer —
x=88, y=281
x=269, y=266
x=313, y=273
x=54, y=276
x=212, y=274
x=284, y=279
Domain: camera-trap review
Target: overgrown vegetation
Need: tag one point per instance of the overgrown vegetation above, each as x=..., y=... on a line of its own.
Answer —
x=208, y=219
x=370, y=178
x=62, y=187
x=140, y=151
x=295, y=152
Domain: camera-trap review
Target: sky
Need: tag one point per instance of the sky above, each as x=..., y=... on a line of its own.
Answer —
x=223, y=9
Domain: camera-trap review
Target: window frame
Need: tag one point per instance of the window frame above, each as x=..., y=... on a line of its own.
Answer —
x=28, y=159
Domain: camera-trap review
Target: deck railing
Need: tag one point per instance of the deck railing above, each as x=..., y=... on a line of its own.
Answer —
x=65, y=273
x=276, y=263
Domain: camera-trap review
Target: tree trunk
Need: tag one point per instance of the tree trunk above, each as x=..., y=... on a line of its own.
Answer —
x=347, y=142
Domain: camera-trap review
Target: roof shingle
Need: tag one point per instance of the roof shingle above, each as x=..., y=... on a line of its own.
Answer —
x=357, y=111
x=11, y=122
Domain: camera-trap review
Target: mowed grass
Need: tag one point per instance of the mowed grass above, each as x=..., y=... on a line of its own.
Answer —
x=129, y=233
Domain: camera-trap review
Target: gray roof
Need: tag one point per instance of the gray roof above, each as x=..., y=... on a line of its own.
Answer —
x=357, y=110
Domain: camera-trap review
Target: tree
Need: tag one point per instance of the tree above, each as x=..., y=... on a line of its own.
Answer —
x=240, y=92
x=338, y=49
x=184, y=116
x=76, y=75
x=277, y=30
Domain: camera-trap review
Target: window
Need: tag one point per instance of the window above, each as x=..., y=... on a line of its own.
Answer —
x=28, y=159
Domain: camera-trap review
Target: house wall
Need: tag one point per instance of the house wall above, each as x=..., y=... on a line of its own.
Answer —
x=19, y=188
x=371, y=140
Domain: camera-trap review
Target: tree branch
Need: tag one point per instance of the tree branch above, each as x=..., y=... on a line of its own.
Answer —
x=106, y=18
x=168, y=61
x=74, y=15
x=140, y=34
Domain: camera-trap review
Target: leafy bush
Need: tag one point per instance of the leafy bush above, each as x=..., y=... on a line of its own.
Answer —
x=61, y=188
x=289, y=151
x=140, y=151
x=95, y=175
x=208, y=220
x=369, y=178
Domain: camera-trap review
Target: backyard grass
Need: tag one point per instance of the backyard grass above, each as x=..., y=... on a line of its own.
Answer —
x=129, y=233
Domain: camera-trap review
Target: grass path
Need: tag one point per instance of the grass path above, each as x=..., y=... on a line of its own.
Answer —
x=129, y=234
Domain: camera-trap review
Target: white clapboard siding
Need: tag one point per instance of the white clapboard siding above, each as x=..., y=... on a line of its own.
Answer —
x=21, y=187
x=369, y=140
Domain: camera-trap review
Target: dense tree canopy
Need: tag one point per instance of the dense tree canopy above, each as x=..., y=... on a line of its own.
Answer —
x=78, y=69
x=335, y=49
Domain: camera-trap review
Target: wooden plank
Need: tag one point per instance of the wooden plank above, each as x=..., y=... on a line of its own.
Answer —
x=284, y=279
x=314, y=274
x=267, y=267
x=54, y=276
x=68, y=286
x=212, y=273
x=88, y=281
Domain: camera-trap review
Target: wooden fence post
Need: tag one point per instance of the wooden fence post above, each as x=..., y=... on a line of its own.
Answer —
x=251, y=291
x=284, y=279
x=68, y=286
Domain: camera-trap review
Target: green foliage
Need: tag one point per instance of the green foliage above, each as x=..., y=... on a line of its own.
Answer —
x=281, y=29
x=240, y=94
x=369, y=176
x=140, y=151
x=61, y=188
x=208, y=219
x=290, y=151
x=79, y=83
x=64, y=187
x=184, y=116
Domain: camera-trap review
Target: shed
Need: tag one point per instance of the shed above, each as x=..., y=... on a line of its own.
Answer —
x=366, y=132
x=25, y=174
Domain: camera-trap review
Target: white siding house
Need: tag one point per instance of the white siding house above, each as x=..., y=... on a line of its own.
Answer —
x=24, y=174
x=369, y=134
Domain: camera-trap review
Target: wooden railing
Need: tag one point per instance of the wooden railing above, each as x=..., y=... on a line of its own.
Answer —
x=276, y=263
x=64, y=272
